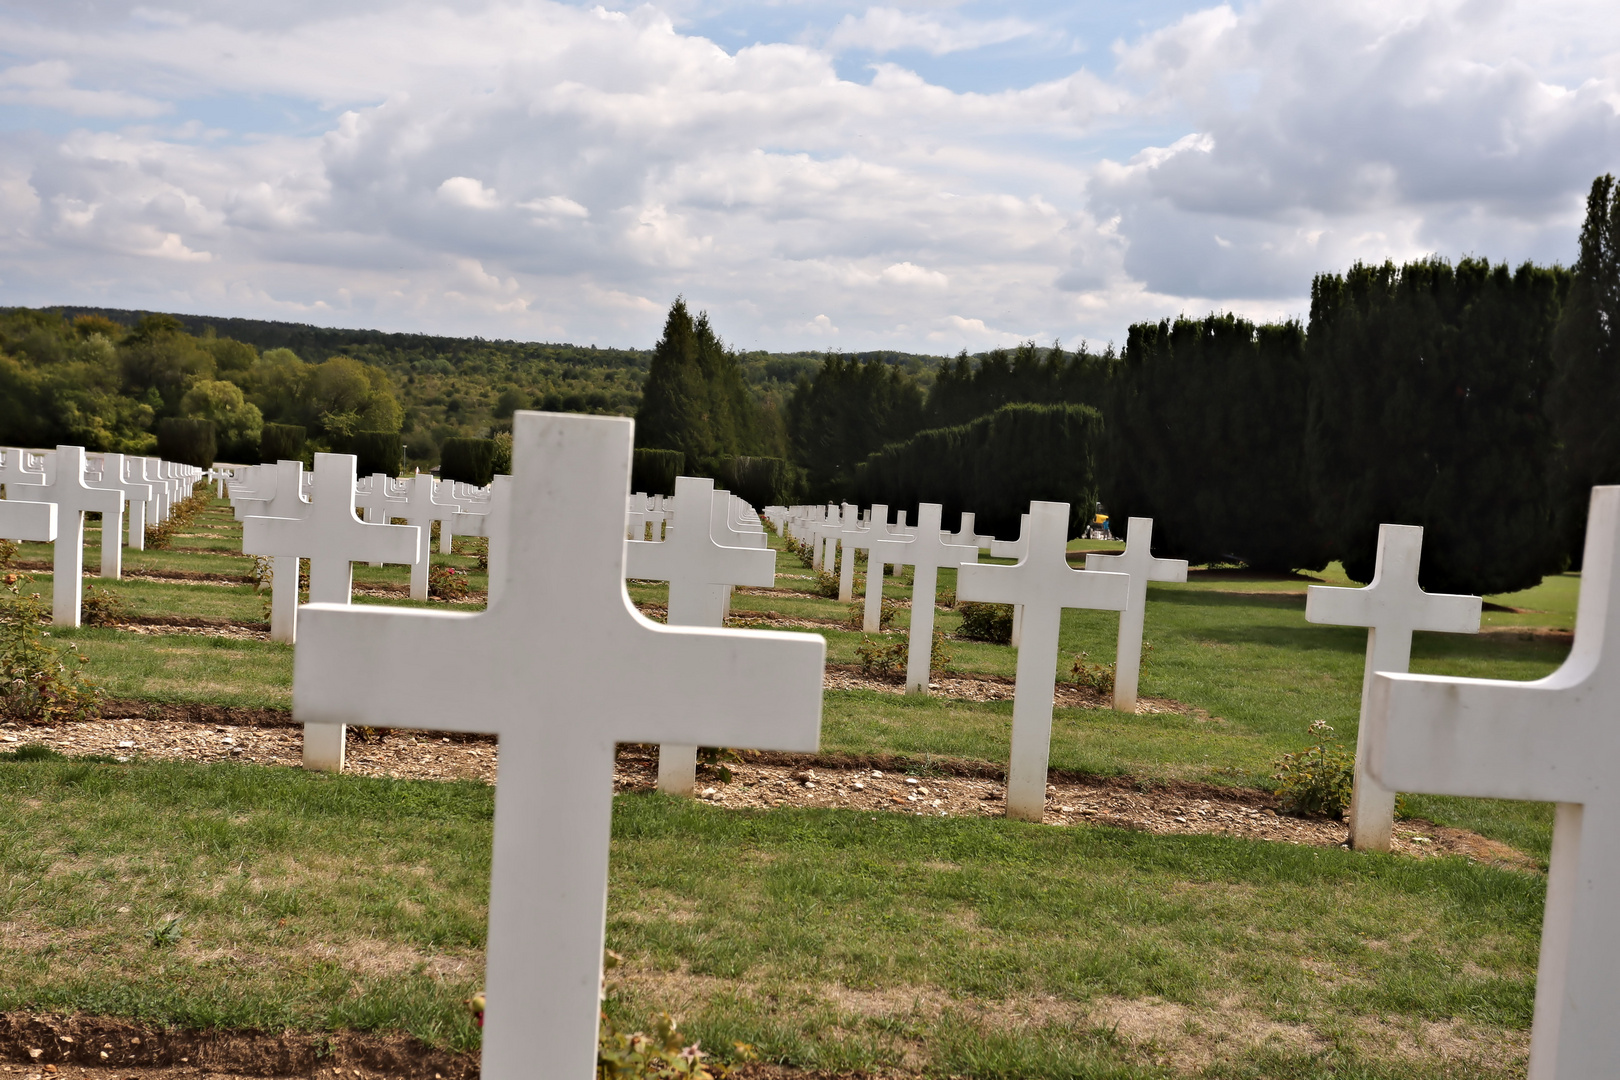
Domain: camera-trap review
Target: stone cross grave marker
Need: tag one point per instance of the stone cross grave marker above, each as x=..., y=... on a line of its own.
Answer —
x=969, y=536
x=423, y=506
x=64, y=485
x=1551, y=740
x=882, y=548
x=557, y=668
x=1391, y=608
x=490, y=522
x=14, y=468
x=698, y=569
x=278, y=493
x=117, y=473
x=377, y=501
x=926, y=553
x=849, y=536
x=150, y=472
x=1136, y=560
x=1044, y=583
x=332, y=538
x=21, y=520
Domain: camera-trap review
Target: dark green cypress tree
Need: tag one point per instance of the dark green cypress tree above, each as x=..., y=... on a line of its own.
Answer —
x=1427, y=384
x=846, y=412
x=695, y=399
x=1206, y=431
x=1584, y=400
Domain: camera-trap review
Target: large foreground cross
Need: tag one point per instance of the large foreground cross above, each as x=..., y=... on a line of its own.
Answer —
x=1552, y=740
x=1391, y=608
x=1044, y=583
x=698, y=570
x=1136, y=560
x=558, y=666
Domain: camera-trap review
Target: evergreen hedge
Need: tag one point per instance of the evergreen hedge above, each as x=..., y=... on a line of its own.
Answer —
x=654, y=471
x=279, y=442
x=763, y=481
x=471, y=461
x=187, y=440
x=1206, y=423
x=1426, y=408
x=377, y=452
x=993, y=466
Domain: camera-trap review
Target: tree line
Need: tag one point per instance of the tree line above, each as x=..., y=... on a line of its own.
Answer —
x=1477, y=400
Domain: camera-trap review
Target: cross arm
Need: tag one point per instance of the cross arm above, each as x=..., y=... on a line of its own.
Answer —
x=1488, y=738
x=1335, y=606
x=20, y=520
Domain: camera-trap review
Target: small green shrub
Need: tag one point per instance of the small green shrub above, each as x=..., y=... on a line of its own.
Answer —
x=986, y=622
x=102, y=607
x=447, y=583
x=1317, y=781
x=1098, y=677
x=886, y=613
x=826, y=585
x=880, y=658
x=38, y=682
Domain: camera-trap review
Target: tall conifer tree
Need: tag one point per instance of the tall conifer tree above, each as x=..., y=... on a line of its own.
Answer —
x=1584, y=400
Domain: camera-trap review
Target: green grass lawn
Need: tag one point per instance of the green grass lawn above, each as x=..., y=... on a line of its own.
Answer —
x=830, y=939
x=1233, y=645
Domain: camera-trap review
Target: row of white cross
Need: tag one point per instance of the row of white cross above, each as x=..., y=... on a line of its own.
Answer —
x=562, y=692
x=48, y=493
x=557, y=663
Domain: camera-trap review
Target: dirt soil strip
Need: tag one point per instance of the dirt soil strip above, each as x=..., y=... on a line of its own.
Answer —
x=45, y=1047
x=767, y=782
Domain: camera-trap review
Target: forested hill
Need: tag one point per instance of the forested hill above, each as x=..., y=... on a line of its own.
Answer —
x=572, y=378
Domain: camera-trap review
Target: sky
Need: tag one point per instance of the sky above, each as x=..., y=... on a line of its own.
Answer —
x=927, y=176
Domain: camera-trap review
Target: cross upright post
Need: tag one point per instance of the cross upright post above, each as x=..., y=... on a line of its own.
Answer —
x=849, y=538
x=926, y=553
x=64, y=485
x=698, y=570
x=1136, y=560
x=559, y=694
x=333, y=539
x=882, y=547
x=1551, y=740
x=1014, y=549
x=422, y=508
x=1044, y=583
x=1391, y=608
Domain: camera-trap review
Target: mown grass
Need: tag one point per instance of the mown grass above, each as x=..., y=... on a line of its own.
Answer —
x=831, y=939
x=1235, y=646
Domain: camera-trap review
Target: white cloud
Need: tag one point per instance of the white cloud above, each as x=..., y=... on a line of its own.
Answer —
x=49, y=85
x=885, y=29
x=465, y=191
x=526, y=168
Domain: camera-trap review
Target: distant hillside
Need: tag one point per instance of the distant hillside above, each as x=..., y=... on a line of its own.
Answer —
x=451, y=382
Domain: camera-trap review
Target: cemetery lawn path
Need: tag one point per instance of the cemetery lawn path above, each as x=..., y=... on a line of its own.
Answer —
x=829, y=939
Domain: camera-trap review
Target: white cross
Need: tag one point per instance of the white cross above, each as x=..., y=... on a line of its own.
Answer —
x=1044, y=583
x=490, y=522
x=64, y=485
x=882, y=547
x=375, y=498
x=1136, y=560
x=280, y=487
x=927, y=552
x=116, y=473
x=559, y=693
x=1014, y=549
x=332, y=538
x=422, y=508
x=151, y=472
x=1551, y=740
x=698, y=569
x=14, y=468
x=967, y=535
x=1391, y=608
x=27, y=521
